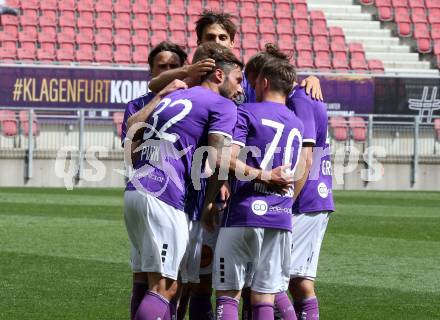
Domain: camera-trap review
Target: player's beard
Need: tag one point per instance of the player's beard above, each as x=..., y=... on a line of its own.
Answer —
x=225, y=90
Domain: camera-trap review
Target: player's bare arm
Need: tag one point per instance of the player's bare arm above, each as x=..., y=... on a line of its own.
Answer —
x=191, y=73
x=303, y=169
x=217, y=161
x=313, y=87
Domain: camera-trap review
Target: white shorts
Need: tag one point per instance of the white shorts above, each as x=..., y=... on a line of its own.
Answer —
x=158, y=233
x=253, y=257
x=200, y=252
x=307, y=235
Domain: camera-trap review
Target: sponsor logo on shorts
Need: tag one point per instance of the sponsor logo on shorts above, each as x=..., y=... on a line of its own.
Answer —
x=207, y=256
x=259, y=207
x=323, y=190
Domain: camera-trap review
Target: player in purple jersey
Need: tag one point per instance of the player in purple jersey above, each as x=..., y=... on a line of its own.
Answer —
x=254, y=243
x=312, y=206
x=163, y=57
x=183, y=121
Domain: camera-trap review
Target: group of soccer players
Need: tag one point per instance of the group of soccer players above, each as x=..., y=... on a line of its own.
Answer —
x=226, y=195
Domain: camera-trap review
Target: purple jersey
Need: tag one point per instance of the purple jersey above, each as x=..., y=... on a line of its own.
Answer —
x=273, y=131
x=179, y=125
x=249, y=92
x=317, y=193
x=133, y=107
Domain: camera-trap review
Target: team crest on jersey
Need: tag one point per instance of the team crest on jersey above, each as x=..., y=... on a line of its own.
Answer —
x=207, y=256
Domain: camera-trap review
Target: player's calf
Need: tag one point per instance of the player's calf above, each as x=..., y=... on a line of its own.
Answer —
x=305, y=300
x=227, y=304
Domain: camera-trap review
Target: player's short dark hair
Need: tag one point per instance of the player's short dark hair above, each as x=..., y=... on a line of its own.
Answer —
x=209, y=17
x=280, y=74
x=257, y=61
x=224, y=58
x=167, y=46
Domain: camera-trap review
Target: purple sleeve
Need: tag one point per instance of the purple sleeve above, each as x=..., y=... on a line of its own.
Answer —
x=129, y=111
x=222, y=118
x=304, y=111
x=241, y=128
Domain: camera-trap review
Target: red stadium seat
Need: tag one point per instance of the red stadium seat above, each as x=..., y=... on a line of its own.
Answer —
x=23, y=116
x=30, y=4
x=64, y=55
x=283, y=10
x=265, y=10
x=367, y=2
x=104, y=21
x=437, y=47
x=435, y=33
x=122, y=21
x=285, y=42
x=319, y=31
x=85, y=6
x=357, y=51
x=8, y=55
x=104, y=57
x=66, y=5
x=248, y=10
x=301, y=28
x=304, y=60
x=25, y=55
x=44, y=55
x=399, y=3
x=140, y=55
x=359, y=65
x=178, y=37
x=177, y=22
x=122, y=6
x=336, y=34
x=213, y=5
x=103, y=6
x=340, y=64
x=231, y=7
x=160, y=22
x=432, y=4
x=249, y=25
x=195, y=7
x=122, y=56
x=300, y=5
x=177, y=7
x=358, y=128
x=141, y=22
x=376, y=66
x=140, y=7
x=323, y=62
x=250, y=42
x=416, y=4
x=84, y=55
x=266, y=26
x=302, y=45
x=284, y=26
x=385, y=10
x=159, y=7
x=339, y=128
x=300, y=16
x=8, y=123
x=66, y=40
x=158, y=37
x=118, y=118
x=141, y=38
x=321, y=46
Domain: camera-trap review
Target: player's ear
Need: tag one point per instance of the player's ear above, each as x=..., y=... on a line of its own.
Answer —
x=219, y=75
x=266, y=84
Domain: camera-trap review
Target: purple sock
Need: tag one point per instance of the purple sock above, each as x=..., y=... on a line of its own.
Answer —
x=200, y=308
x=227, y=308
x=153, y=306
x=307, y=309
x=246, y=312
x=262, y=311
x=284, y=306
x=137, y=294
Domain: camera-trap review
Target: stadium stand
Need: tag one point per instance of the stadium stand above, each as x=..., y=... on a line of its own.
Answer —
x=413, y=18
x=8, y=123
x=417, y=20
x=339, y=128
x=319, y=35
x=358, y=129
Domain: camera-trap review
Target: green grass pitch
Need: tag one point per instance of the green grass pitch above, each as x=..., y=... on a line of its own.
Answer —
x=64, y=255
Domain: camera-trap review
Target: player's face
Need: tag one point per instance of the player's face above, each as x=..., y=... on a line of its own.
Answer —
x=218, y=34
x=231, y=86
x=164, y=61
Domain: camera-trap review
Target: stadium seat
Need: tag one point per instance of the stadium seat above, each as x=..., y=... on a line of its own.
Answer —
x=66, y=5
x=357, y=51
x=177, y=7
x=359, y=65
x=84, y=55
x=64, y=55
x=140, y=55
x=323, y=62
x=338, y=128
x=266, y=26
x=8, y=55
x=104, y=57
x=284, y=26
x=8, y=123
x=122, y=55
x=44, y=55
x=122, y=21
x=213, y=5
x=285, y=42
x=177, y=22
x=231, y=7
x=358, y=129
x=195, y=7
x=141, y=22
x=141, y=38
x=304, y=60
x=265, y=10
x=340, y=65
x=85, y=6
x=321, y=46
x=25, y=55
x=250, y=41
x=267, y=38
x=376, y=66
x=249, y=25
x=66, y=40
x=158, y=37
x=367, y=2
x=23, y=116
x=300, y=5
x=283, y=10
x=160, y=22
x=399, y=3
x=103, y=6
x=179, y=37
x=416, y=4
x=140, y=7
x=122, y=6
x=248, y=10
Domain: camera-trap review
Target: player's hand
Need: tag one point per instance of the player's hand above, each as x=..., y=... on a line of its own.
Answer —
x=280, y=179
x=223, y=196
x=176, y=84
x=200, y=68
x=313, y=86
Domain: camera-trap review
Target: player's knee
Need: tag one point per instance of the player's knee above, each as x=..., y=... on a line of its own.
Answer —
x=301, y=288
x=257, y=297
x=229, y=293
